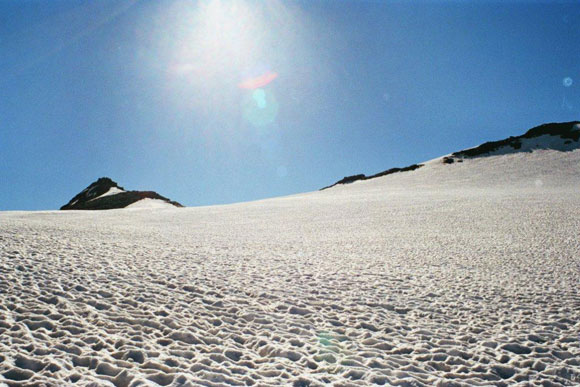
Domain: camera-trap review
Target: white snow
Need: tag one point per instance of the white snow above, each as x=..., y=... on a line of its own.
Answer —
x=536, y=143
x=462, y=274
x=111, y=191
x=540, y=142
x=150, y=203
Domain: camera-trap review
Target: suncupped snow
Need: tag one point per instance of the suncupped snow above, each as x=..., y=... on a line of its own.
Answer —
x=463, y=274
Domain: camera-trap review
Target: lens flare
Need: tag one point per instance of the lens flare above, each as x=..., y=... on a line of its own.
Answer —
x=260, y=107
x=259, y=96
x=258, y=82
x=331, y=343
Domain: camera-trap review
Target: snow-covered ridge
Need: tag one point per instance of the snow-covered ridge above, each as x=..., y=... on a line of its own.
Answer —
x=563, y=137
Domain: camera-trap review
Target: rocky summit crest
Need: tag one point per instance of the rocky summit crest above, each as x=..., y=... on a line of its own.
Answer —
x=105, y=194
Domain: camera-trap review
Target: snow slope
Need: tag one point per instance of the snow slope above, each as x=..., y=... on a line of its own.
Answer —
x=450, y=275
x=150, y=203
x=111, y=191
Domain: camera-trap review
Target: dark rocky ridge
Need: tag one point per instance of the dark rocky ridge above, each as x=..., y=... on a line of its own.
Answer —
x=85, y=200
x=353, y=178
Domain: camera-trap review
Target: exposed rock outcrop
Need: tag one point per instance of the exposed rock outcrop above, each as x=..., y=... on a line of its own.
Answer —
x=353, y=178
x=105, y=194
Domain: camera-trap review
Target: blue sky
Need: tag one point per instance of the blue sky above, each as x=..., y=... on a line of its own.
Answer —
x=148, y=92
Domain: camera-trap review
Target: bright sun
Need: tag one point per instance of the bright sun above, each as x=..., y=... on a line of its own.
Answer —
x=229, y=40
x=232, y=49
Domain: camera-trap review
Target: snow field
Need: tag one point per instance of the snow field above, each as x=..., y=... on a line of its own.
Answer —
x=453, y=275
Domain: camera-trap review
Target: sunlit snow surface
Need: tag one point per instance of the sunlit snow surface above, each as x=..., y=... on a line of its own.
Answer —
x=465, y=273
x=150, y=203
x=110, y=192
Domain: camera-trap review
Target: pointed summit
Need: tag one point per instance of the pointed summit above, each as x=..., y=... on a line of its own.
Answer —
x=105, y=194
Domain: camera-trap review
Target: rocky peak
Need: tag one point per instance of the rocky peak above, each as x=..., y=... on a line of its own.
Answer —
x=105, y=194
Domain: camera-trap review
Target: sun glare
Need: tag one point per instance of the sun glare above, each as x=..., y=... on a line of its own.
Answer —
x=257, y=82
x=233, y=49
x=225, y=41
x=260, y=107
